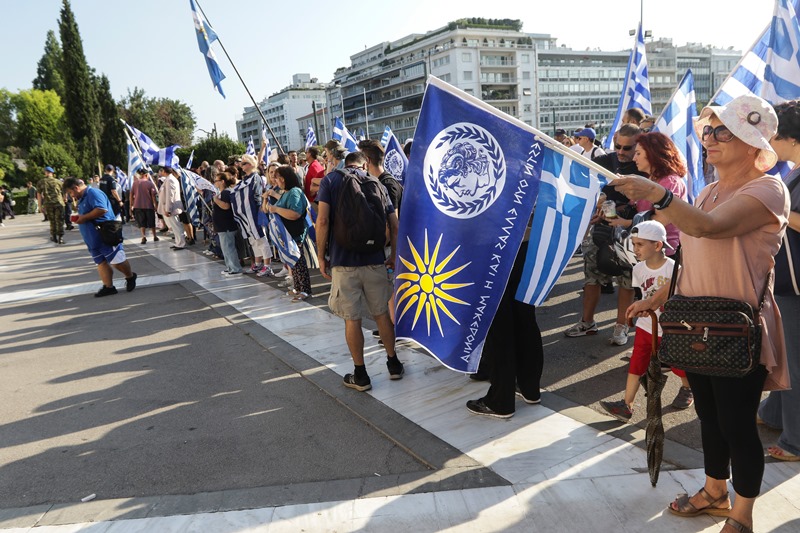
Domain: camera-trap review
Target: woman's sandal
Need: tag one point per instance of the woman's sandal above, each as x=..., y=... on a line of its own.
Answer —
x=685, y=507
x=738, y=526
x=776, y=452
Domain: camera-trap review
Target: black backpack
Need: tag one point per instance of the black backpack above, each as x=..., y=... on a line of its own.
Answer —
x=359, y=222
x=394, y=188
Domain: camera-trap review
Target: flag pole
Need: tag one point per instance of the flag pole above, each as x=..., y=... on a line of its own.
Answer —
x=243, y=83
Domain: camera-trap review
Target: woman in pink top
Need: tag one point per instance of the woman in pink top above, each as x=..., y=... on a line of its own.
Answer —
x=729, y=244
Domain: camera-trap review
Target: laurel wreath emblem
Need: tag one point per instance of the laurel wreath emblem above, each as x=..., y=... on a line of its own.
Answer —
x=498, y=166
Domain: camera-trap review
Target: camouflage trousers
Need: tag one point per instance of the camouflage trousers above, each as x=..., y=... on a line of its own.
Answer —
x=33, y=206
x=55, y=215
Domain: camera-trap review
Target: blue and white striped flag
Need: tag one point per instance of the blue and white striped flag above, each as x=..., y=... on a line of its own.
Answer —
x=251, y=149
x=771, y=68
x=151, y=153
x=677, y=123
x=469, y=195
x=395, y=161
x=567, y=200
x=385, y=137
x=200, y=183
x=265, y=142
x=134, y=161
x=361, y=135
x=311, y=138
x=205, y=37
x=122, y=178
x=191, y=158
x=279, y=236
x=343, y=135
x=190, y=196
x=635, y=88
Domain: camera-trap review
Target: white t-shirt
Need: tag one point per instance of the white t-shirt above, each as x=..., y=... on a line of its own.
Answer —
x=649, y=281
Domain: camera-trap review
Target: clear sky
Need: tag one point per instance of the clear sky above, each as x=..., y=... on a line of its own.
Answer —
x=151, y=43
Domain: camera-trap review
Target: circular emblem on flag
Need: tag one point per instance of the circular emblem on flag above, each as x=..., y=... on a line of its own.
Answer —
x=465, y=170
x=393, y=163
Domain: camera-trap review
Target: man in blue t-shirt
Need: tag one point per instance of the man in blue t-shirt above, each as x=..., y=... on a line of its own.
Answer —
x=358, y=279
x=93, y=210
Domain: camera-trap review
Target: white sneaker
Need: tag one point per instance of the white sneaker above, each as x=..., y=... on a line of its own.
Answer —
x=282, y=273
x=620, y=336
x=265, y=272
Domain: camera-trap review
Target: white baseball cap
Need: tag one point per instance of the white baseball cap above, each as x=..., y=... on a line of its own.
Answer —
x=651, y=230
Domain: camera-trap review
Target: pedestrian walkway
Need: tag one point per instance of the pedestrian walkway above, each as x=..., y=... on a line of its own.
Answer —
x=562, y=474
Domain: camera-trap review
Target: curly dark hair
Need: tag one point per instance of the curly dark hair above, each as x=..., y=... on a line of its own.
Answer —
x=788, y=120
x=662, y=154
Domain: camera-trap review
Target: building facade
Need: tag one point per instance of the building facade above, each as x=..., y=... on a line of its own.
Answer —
x=282, y=110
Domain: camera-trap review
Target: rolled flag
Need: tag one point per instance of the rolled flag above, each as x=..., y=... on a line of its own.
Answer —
x=311, y=138
x=251, y=150
x=265, y=142
x=191, y=158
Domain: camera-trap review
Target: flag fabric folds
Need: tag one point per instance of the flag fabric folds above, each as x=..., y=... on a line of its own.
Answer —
x=246, y=207
x=151, y=153
x=343, y=135
x=199, y=182
x=205, y=37
x=395, y=161
x=311, y=138
x=250, y=150
x=122, y=178
x=677, y=123
x=385, y=137
x=134, y=161
x=467, y=201
x=567, y=199
x=191, y=158
x=288, y=250
x=190, y=196
x=265, y=142
x=635, y=87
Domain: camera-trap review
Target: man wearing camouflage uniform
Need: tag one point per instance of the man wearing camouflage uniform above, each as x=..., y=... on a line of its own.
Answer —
x=51, y=203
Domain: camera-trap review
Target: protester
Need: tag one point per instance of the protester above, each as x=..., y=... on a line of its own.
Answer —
x=246, y=201
x=51, y=203
x=111, y=188
x=586, y=138
x=291, y=205
x=94, y=209
x=294, y=164
x=224, y=223
x=7, y=203
x=357, y=278
x=653, y=271
x=33, y=204
x=170, y=205
x=781, y=409
x=315, y=171
x=633, y=116
x=143, y=203
x=729, y=242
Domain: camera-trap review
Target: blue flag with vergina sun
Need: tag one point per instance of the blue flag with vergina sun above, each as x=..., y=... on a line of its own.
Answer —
x=469, y=195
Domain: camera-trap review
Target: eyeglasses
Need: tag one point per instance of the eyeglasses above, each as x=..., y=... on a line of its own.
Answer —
x=721, y=133
x=623, y=148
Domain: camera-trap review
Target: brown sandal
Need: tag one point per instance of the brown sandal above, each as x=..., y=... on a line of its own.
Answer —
x=685, y=507
x=738, y=526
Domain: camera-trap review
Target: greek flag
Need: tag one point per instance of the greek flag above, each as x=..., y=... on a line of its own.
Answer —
x=385, y=137
x=311, y=139
x=265, y=142
x=771, y=68
x=677, y=123
x=250, y=150
x=134, y=161
x=343, y=135
x=469, y=195
x=191, y=158
x=636, y=87
x=190, y=197
x=205, y=37
x=122, y=178
x=288, y=250
x=199, y=182
x=568, y=194
x=246, y=204
x=395, y=161
x=151, y=153
x=361, y=135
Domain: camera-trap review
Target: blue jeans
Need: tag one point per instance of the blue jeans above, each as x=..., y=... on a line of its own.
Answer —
x=781, y=409
x=227, y=241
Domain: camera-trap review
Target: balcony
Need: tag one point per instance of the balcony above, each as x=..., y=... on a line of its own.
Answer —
x=493, y=94
x=492, y=79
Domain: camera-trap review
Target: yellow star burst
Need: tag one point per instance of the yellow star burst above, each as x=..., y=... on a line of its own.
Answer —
x=424, y=285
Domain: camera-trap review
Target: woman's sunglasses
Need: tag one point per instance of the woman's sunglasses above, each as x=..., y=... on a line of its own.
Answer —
x=721, y=133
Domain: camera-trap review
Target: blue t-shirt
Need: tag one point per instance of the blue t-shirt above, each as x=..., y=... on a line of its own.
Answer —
x=92, y=199
x=329, y=194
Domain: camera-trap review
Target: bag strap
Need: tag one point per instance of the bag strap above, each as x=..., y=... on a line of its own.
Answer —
x=674, y=279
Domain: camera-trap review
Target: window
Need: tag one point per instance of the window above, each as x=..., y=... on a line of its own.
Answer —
x=445, y=77
x=469, y=91
x=467, y=75
x=525, y=58
x=526, y=75
x=466, y=57
x=526, y=108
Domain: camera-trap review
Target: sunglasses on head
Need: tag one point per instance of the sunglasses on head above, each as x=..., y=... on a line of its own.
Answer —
x=721, y=133
x=623, y=148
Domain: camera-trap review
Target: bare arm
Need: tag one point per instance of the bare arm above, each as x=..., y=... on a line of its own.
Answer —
x=794, y=221
x=323, y=227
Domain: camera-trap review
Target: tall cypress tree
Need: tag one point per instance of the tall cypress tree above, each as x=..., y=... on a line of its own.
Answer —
x=80, y=101
x=48, y=70
x=112, y=137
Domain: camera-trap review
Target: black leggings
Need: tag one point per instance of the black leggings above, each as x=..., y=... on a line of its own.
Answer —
x=300, y=275
x=727, y=410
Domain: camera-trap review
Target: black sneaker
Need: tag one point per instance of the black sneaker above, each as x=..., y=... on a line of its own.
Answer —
x=395, y=367
x=530, y=401
x=130, y=283
x=361, y=385
x=105, y=291
x=479, y=408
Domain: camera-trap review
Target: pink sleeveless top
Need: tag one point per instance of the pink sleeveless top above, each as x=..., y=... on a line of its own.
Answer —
x=737, y=267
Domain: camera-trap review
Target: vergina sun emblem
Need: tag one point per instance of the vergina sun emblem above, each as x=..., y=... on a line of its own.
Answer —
x=465, y=170
x=425, y=288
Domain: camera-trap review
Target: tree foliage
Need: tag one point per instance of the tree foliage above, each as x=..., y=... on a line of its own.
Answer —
x=8, y=120
x=112, y=136
x=216, y=147
x=40, y=117
x=7, y=170
x=52, y=155
x=80, y=101
x=164, y=120
x=48, y=70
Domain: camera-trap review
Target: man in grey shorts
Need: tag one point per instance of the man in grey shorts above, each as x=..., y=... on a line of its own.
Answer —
x=359, y=280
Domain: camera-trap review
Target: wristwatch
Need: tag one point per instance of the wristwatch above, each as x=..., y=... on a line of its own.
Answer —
x=665, y=200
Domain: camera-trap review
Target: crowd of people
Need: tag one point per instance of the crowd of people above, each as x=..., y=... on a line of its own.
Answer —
x=743, y=226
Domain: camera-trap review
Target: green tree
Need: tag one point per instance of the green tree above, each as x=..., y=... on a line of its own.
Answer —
x=164, y=120
x=40, y=117
x=216, y=147
x=80, y=101
x=48, y=70
x=52, y=155
x=8, y=119
x=112, y=137
x=7, y=170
